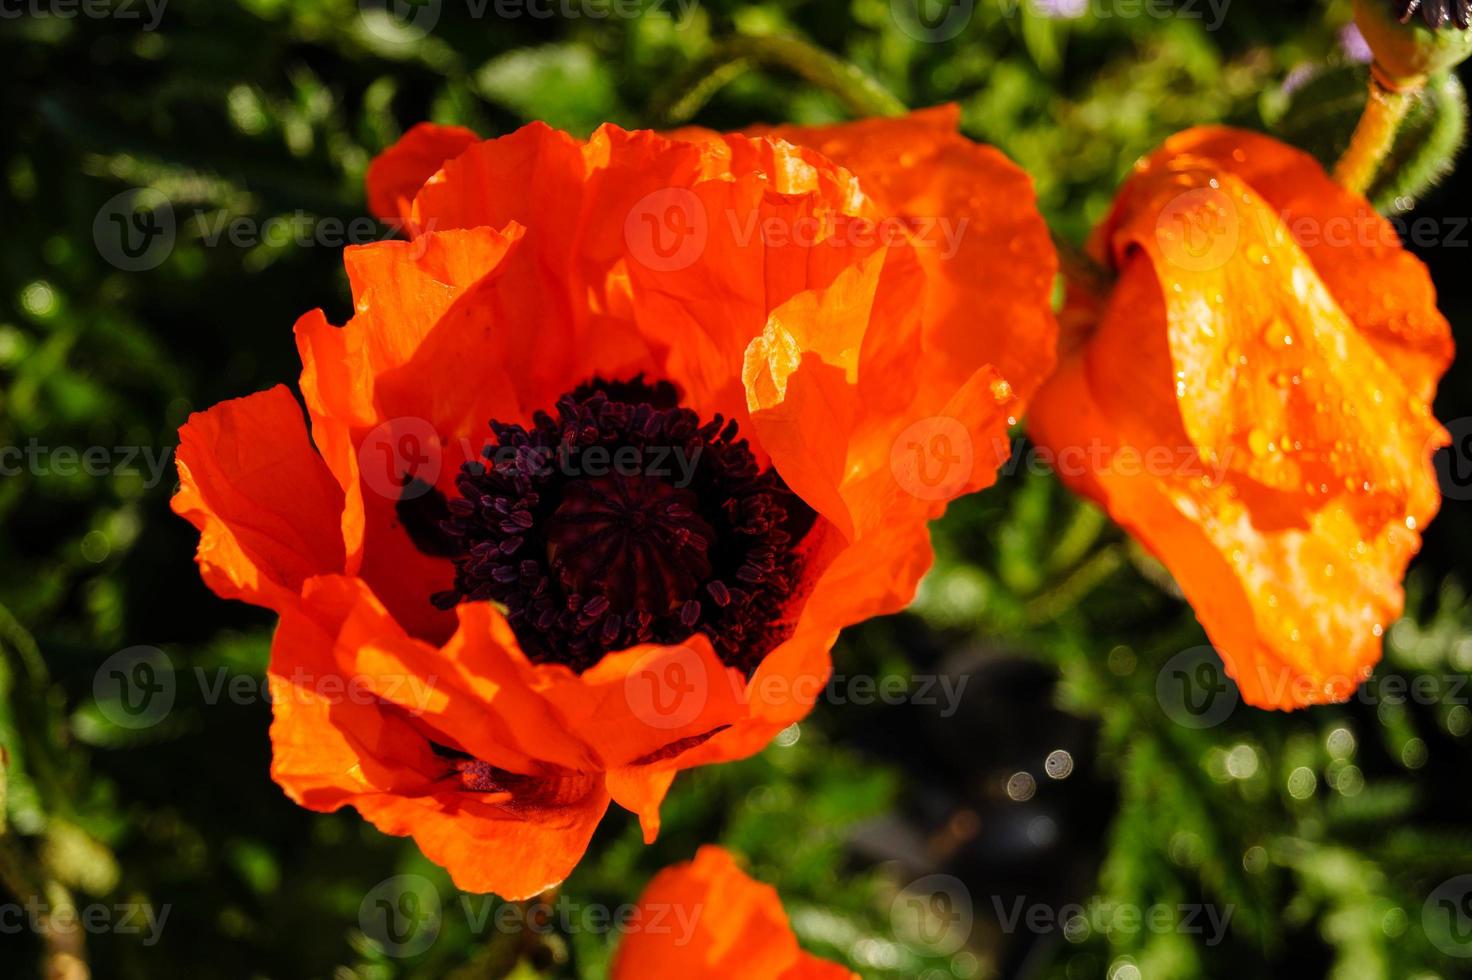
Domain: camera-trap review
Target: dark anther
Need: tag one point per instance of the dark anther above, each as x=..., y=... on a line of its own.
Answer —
x=625, y=519
x=421, y=509
x=1436, y=13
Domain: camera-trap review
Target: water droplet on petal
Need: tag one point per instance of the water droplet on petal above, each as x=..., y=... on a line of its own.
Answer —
x=1277, y=334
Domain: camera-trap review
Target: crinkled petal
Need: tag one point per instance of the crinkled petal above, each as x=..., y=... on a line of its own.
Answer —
x=516, y=850
x=627, y=708
x=1270, y=448
x=389, y=415
x=878, y=468
x=1295, y=612
x=1383, y=289
x=396, y=174
x=266, y=507
x=359, y=708
x=641, y=791
x=1272, y=379
x=985, y=250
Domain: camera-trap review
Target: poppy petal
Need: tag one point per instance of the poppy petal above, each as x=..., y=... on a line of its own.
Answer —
x=515, y=850
x=357, y=705
x=1380, y=286
x=396, y=174
x=401, y=290
x=1295, y=612
x=968, y=208
x=494, y=718
x=901, y=462
x=1269, y=447
x=392, y=420
x=330, y=746
x=265, y=505
x=1277, y=384
x=707, y=919
x=641, y=791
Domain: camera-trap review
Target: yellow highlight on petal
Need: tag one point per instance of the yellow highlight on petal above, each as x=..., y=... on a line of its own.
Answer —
x=769, y=360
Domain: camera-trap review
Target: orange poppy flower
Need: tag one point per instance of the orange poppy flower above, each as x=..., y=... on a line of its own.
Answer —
x=707, y=920
x=727, y=385
x=1252, y=404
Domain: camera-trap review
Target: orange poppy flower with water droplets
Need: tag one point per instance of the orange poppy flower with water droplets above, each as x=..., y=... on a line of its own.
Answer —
x=1251, y=401
x=707, y=920
x=609, y=452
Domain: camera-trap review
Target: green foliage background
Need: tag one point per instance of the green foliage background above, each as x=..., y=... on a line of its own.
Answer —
x=1321, y=834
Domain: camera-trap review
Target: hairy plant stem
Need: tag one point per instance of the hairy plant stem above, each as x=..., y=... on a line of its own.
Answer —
x=1385, y=110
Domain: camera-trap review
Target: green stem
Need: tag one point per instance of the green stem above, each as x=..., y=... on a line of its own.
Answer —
x=1079, y=535
x=1080, y=582
x=861, y=94
x=33, y=704
x=1373, y=136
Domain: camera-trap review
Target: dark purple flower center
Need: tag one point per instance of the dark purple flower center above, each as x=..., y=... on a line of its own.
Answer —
x=624, y=519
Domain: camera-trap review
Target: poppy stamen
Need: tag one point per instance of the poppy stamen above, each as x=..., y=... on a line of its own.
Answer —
x=625, y=520
x=1436, y=13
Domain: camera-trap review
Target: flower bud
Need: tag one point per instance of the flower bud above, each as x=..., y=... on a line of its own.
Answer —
x=1407, y=48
